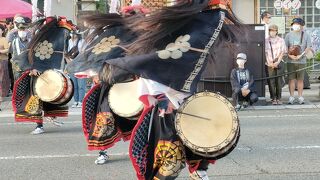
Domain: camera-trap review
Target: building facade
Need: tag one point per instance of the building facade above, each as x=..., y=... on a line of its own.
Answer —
x=283, y=11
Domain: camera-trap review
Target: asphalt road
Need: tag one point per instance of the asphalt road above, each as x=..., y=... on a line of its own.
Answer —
x=274, y=144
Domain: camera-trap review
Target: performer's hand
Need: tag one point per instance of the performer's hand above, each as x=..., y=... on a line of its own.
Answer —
x=95, y=79
x=34, y=72
x=170, y=108
x=152, y=101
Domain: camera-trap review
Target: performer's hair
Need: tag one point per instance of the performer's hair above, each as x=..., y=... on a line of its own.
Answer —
x=163, y=22
x=101, y=22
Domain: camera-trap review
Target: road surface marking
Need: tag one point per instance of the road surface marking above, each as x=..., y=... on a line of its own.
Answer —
x=58, y=156
x=126, y=153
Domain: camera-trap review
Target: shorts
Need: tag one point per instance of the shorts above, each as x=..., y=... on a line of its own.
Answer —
x=293, y=67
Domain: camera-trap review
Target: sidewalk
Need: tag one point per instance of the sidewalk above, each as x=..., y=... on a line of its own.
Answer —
x=311, y=96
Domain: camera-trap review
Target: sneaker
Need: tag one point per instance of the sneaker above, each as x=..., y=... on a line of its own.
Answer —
x=238, y=107
x=37, y=130
x=279, y=102
x=274, y=102
x=75, y=104
x=301, y=100
x=79, y=105
x=291, y=100
x=53, y=121
x=245, y=104
x=102, y=158
x=199, y=175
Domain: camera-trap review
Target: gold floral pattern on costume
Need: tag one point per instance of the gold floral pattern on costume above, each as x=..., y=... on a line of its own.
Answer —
x=32, y=105
x=105, y=45
x=169, y=158
x=44, y=50
x=175, y=50
x=104, y=125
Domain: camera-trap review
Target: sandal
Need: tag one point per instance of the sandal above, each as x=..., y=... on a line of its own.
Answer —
x=279, y=102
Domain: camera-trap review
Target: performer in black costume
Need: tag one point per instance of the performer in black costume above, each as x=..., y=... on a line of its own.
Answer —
x=169, y=56
x=44, y=52
x=102, y=127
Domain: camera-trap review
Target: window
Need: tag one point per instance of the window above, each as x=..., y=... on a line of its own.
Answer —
x=307, y=11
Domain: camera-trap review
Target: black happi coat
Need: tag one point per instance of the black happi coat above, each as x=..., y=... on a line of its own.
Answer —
x=47, y=54
x=174, y=66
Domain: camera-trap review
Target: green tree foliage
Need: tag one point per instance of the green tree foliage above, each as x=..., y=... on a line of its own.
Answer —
x=102, y=6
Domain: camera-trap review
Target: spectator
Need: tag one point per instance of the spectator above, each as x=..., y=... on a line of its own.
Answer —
x=75, y=44
x=298, y=42
x=19, y=44
x=242, y=84
x=275, y=49
x=266, y=19
x=4, y=74
x=13, y=33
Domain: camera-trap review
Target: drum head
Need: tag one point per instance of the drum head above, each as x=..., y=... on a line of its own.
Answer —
x=49, y=85
x=207, y=122
x=124, y=99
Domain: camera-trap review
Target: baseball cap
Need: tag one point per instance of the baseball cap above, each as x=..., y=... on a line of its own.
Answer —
x=298, y=21
x=242, y=56
x=19, y=20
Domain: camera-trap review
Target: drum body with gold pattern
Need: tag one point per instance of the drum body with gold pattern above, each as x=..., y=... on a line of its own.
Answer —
x=54, y=86
x=208, y=124
x=124, y=100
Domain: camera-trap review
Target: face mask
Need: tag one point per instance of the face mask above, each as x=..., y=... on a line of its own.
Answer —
x=22, y=34
x=241, y=63
x=273, y=33
x=296, y=27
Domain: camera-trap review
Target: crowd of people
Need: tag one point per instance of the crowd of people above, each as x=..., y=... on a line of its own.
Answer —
x=285, y=57
x=137, y=50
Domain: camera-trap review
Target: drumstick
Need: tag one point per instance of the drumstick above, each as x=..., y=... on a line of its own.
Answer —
x=43, y=79
x=194, y=116
x=191, y=48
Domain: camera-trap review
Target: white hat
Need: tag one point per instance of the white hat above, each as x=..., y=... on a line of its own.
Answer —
x=19, y=20
x=242, y=56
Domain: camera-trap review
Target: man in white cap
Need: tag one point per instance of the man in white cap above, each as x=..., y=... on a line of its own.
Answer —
x=242, y=84
x=13, y=33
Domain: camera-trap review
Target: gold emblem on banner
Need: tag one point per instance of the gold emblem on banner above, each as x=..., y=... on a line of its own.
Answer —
x=104, y=125
x=44, y=50
x=169, y=157
x=175, y=50
x=105, y=45
x=32, y=105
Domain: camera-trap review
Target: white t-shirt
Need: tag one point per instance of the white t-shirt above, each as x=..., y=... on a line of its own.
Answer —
x=266, y=28
x=150, y=87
